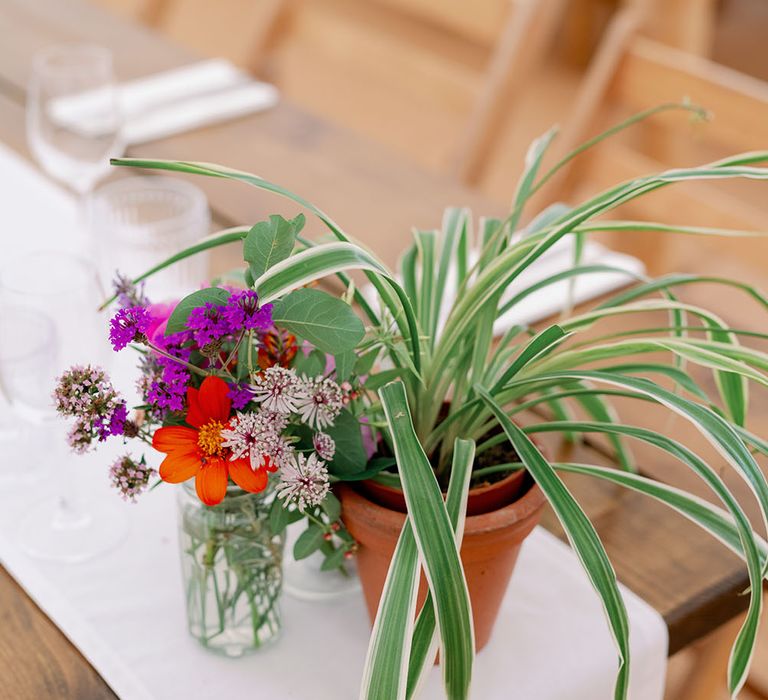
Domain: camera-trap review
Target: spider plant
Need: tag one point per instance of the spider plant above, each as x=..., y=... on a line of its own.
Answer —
x=441, y=349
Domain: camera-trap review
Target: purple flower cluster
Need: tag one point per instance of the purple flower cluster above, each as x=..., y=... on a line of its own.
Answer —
x=129, y=477
x=87, y=395
x=165, y=381
x=128, y=293
x=243, y=312
x=241, y=395
x=213, y=322
x=208, y=324
x=129, y=325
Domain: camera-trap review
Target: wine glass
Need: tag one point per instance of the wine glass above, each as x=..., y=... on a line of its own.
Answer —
x=68, y=526
x=28, y=352
x=73, y=115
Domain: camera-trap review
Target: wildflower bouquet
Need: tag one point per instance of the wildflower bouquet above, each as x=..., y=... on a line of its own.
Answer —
x=229, y=399
x=441, y=390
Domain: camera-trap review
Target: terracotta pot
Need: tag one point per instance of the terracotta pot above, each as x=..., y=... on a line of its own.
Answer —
x=482, y=499
x=489, y=550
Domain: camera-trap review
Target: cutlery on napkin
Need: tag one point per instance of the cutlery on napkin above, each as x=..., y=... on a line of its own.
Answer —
x=170, y=102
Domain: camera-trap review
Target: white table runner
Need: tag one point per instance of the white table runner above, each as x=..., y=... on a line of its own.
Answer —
x=125, y=610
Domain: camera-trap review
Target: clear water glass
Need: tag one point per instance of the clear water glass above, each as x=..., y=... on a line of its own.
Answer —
x=73, y=114
x=28, y=352
x=137, y=222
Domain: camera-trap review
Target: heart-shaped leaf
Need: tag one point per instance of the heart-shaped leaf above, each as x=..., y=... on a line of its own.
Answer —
x=269, y=242
x=325, y=321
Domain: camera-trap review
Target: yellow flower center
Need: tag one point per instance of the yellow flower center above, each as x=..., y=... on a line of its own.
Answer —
x=209, y=438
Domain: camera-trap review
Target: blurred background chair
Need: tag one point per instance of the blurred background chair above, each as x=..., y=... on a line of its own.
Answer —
x=630, y=73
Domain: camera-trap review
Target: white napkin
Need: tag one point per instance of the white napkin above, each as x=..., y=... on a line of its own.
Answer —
x=170, y=102
x=554, y=298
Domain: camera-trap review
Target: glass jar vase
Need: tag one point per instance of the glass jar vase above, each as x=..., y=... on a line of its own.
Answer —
x=232, y=570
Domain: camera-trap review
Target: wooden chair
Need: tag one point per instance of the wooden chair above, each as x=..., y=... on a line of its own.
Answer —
x=630, y=73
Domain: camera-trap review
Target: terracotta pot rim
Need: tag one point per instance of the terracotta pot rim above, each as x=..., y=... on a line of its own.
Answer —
x=516, y=511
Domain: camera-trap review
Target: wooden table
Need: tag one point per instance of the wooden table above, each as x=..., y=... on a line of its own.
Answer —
x=692, y=580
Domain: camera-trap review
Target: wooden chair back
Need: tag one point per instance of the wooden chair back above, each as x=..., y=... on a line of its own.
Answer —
x=631, y=73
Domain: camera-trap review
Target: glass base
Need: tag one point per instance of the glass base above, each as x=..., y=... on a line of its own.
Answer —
x=55, y=530
x=304, y=580
x=234, y=642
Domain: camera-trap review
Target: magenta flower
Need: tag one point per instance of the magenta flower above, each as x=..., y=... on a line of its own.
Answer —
x=241, y=395
x=128, y=326
x=243, y=312
x=208, y=324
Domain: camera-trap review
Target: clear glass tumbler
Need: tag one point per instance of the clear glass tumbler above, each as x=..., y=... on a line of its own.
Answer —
x=138, y=222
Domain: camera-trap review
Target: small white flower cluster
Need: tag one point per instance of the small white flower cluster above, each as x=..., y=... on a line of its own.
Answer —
x=304, y=481
x=318, y=401
x=259, y=435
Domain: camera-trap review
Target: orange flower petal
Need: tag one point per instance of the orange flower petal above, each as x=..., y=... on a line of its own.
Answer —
x=211, y=482
x=179, y=466
x=174, y=437
x=195, y=415
x=215, y=403
x=247, y=479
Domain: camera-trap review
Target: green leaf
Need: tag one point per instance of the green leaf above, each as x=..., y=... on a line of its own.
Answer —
x=539, y=346
x=332, y=507
x=333, y=560
x=388, y=658
x=345, y=362
x=178, y=320
x=269, y=242
x=424, y=644
x=385, y=670
x=364, y=362
x=436, y=544
x=581, y=534
x=378, y=380
x=350, y=456
x=242, y=369
x=325, y=321
x=715, y=429
x=310, y=365
x=308, y=542
x=280, y=516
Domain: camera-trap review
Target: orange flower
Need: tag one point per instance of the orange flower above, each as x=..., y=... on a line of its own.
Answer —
x=198, y=451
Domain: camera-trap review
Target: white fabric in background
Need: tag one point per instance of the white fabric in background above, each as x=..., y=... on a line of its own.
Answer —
x=125, y=610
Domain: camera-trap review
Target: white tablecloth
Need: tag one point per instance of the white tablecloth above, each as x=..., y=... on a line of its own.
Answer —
x=125, y=610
